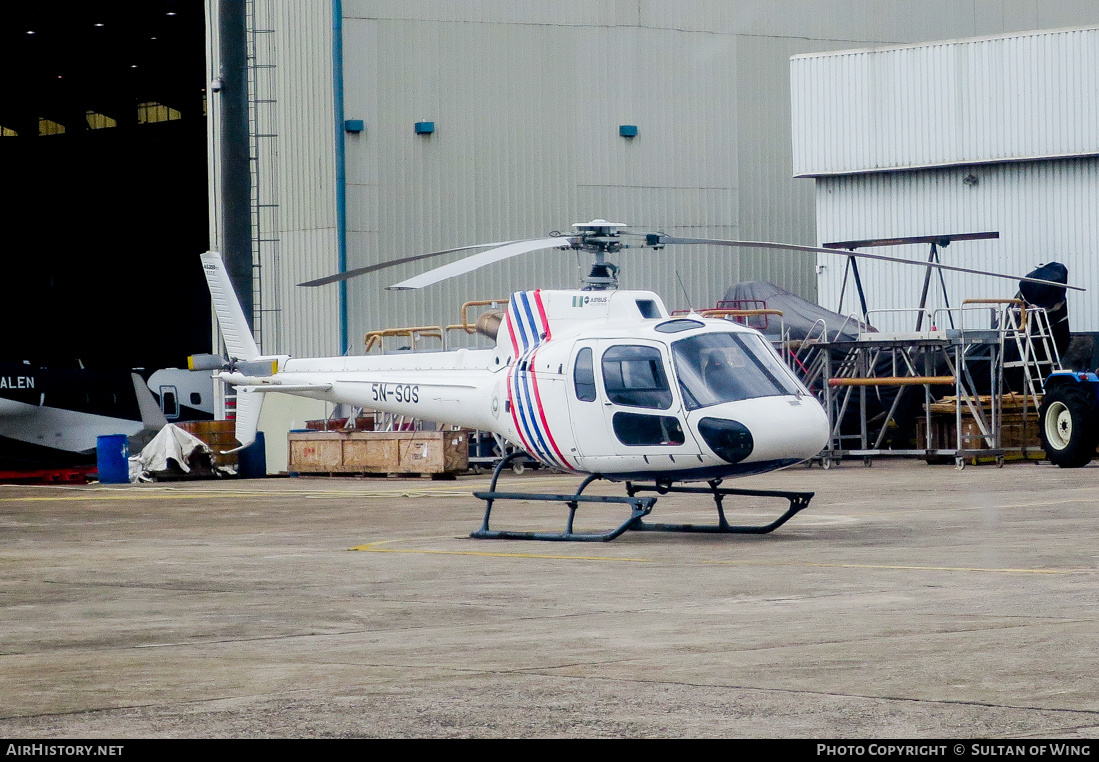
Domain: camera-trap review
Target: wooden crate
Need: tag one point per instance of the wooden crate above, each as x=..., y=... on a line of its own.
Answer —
x=378, y=452
x=1019, y=442
x=219, y=436
x=362, y=423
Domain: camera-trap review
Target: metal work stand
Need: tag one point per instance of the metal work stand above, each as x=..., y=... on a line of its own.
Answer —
x=911, y=362
x=639, y=508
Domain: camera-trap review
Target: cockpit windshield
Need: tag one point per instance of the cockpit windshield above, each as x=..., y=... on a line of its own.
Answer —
x=726, y=367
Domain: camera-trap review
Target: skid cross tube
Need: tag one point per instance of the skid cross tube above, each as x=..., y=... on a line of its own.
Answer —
x=798, y=502
x=640, y=507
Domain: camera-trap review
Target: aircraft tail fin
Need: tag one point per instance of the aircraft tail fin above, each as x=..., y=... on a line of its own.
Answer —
x=248, y=409
x=234, y=326
x=152, y=417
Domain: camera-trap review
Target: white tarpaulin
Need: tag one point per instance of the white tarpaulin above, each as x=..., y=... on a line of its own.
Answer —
x=172, y=443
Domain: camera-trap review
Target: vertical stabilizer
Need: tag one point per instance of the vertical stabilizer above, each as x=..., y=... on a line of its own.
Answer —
x=151, y=414
x=248, y=409
x=234, y=326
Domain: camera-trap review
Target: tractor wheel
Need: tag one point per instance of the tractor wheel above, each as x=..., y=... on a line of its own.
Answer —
x=1069, y=425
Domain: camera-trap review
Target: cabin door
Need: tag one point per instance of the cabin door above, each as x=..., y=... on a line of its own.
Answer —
x=627, y=413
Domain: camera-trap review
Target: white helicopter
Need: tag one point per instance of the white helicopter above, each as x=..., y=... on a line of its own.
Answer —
x=596, y=381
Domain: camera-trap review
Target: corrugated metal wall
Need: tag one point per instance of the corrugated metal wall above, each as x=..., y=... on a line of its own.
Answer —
x=527, y=98
x=304, y=153
x=527, y=142
x=1003, y=98
x=1044, y=211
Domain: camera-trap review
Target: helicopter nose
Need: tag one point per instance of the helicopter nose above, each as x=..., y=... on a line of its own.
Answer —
x=773, y=428
x=730, y=440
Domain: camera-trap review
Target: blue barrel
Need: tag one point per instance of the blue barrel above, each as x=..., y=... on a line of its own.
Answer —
x=252, y=463
x=112, y=458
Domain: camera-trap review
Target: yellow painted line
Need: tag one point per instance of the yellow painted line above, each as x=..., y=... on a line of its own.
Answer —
x=99, y=496
x=129, y=495
x=173, y=493
x=1040, y=504
x=906, y=568
x=372, y=548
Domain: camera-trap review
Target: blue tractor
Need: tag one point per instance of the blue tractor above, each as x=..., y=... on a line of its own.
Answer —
x=1069, y=418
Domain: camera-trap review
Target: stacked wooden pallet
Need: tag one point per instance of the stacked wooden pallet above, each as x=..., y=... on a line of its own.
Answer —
x=220, y=436
x=1019, y=424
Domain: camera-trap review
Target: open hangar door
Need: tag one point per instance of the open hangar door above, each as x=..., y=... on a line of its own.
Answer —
x=103, y=191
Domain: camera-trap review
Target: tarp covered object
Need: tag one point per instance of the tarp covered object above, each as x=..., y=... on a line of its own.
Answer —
x=798, y=315
x=172, y=448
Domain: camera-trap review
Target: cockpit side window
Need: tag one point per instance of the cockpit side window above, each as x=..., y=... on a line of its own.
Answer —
x=634, y=376
x=583, y=376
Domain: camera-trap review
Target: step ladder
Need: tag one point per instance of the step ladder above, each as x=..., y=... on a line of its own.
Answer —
x=1029, y=332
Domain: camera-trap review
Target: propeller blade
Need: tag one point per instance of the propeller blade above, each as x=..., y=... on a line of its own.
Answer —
x=392, y=263
x=476, y=261
x=860, y=255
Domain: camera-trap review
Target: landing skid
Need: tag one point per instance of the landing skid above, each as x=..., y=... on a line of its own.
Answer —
x=798, y=502
x=640, y=507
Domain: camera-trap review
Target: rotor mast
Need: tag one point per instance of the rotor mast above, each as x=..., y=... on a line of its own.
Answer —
x=600, y=238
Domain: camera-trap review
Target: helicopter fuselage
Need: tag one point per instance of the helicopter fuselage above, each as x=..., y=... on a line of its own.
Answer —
x=602, y=382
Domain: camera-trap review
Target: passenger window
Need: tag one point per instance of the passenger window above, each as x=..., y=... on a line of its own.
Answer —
x=636, y=429
x=583, y=376
x=634, y=376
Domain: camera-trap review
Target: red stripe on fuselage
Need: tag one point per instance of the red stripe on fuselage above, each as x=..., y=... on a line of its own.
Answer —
x=511, y=333
x=542, y=312
x=511, y=399
x=542, y=412
x=515, y=419
x=534, y=379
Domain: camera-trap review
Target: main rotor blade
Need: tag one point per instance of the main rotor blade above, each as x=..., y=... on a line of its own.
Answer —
x=861, y=255
x=393, y=263
x=475, y=261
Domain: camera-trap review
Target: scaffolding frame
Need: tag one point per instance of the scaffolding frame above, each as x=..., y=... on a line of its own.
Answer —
x=850, y=369
x=845, y=372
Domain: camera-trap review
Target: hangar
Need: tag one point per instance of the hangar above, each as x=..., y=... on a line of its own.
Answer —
x=103, y=197
x=111, y=171
x=666, y=116
x=995, y=133
x=119, y=124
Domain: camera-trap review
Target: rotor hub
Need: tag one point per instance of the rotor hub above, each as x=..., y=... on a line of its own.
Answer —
x=600, y=238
